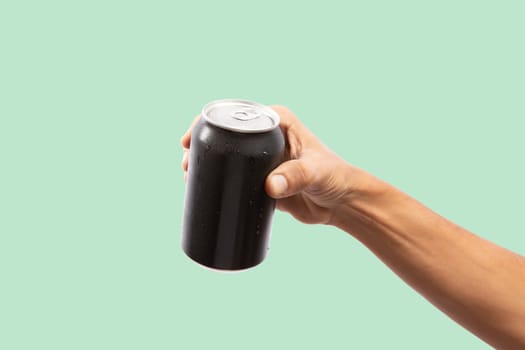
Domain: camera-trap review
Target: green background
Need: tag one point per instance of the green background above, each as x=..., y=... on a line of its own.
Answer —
x=95, y=95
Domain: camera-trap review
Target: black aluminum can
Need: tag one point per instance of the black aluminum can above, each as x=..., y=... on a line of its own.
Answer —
x=227, y=213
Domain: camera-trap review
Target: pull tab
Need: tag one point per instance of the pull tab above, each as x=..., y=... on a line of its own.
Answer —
x=248, y=114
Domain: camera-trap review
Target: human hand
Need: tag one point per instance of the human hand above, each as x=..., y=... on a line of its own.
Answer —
x=311, y=183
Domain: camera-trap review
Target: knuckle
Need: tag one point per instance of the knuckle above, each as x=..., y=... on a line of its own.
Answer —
x=280, y=108
x=283, y=111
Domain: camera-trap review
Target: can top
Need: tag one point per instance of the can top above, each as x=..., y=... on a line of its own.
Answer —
x=240, y=116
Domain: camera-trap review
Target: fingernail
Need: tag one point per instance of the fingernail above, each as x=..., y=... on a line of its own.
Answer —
x=279, y=184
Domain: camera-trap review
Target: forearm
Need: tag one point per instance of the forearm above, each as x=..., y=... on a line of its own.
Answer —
x=478, y=284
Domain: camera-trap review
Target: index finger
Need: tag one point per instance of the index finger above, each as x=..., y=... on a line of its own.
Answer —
x=287, y=117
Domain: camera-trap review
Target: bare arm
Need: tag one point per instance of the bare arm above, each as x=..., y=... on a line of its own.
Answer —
x=478, y=284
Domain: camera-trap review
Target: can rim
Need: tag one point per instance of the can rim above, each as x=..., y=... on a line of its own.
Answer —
x=273, y=114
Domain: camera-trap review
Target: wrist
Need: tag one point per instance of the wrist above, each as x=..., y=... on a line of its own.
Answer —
x=364, y=195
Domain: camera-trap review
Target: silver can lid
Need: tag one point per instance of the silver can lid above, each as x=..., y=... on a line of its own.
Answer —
x=241, y=116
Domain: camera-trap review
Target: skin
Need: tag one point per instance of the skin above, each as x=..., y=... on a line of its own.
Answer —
x=475, y=282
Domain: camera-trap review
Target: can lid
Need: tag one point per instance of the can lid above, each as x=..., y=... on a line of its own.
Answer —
x=241, y=116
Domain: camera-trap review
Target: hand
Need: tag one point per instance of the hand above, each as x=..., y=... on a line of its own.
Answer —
x=185, y=142
x=311, y=183
x=442, y=261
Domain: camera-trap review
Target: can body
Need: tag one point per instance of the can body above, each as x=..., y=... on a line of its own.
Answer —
x=227, y=213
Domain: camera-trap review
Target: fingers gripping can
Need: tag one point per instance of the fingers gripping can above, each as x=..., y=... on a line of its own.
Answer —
x=227, y=213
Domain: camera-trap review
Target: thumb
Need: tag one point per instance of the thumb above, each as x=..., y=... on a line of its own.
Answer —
x=287, y=179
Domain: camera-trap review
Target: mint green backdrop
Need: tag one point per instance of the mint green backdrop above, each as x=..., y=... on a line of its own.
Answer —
x=95, y=95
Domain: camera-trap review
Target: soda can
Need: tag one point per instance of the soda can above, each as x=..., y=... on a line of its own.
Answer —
x=227, y=213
